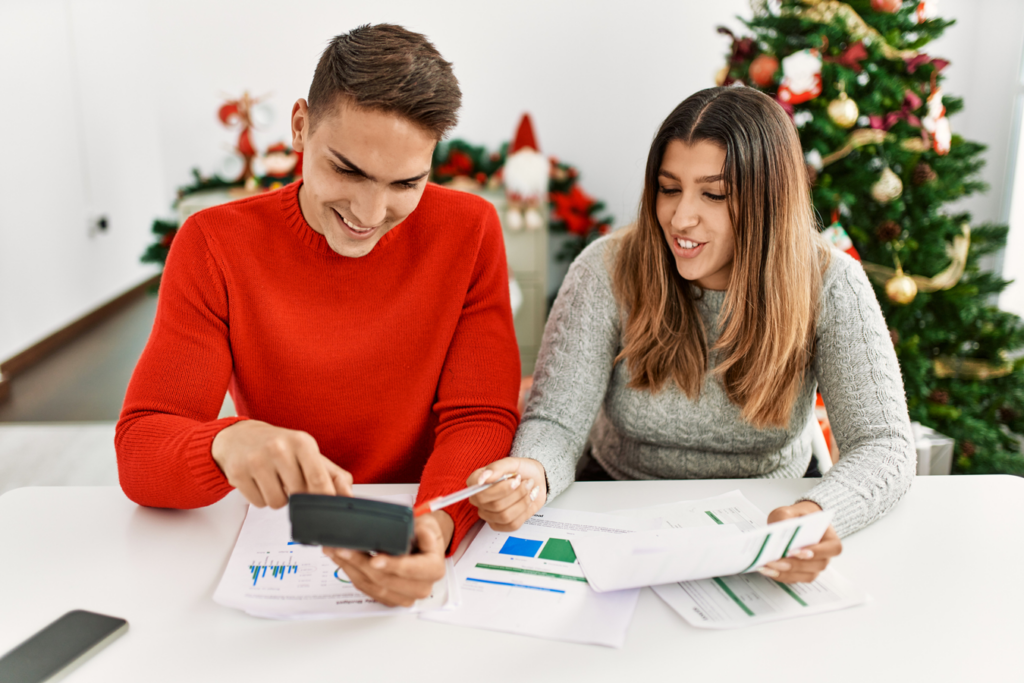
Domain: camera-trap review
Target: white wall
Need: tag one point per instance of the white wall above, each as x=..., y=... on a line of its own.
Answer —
x=985, y=48
x=81, y=141
x=114, y=101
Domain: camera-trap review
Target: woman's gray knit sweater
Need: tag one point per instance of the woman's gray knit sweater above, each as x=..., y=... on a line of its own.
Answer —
x=578, y=391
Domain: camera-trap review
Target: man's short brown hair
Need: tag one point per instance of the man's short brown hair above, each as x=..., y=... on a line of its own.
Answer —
x=389, y=69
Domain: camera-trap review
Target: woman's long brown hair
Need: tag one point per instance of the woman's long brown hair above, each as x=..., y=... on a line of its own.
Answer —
x=771, y=303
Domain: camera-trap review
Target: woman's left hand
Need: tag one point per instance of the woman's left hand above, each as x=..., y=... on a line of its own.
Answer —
x=804, y=565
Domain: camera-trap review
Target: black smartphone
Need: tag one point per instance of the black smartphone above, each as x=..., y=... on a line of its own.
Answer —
x=60, y=647
x=355, y=523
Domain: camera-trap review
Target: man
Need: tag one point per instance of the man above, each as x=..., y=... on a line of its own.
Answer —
x=360, y=319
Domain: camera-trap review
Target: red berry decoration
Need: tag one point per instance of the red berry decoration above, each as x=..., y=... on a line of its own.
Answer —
x=887, y=6
x=762, y=70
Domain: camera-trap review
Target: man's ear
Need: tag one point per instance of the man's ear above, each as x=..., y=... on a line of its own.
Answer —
x=300, y=125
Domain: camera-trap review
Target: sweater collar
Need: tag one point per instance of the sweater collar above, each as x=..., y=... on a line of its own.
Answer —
x=310, y=237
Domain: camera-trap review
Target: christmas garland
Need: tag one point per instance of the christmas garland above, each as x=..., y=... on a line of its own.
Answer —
x=571, y=210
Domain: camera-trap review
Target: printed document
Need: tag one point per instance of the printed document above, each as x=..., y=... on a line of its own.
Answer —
x=744, y=599
x=748, y=599
x=270, y=576
x=530, y=582
x=650, y=558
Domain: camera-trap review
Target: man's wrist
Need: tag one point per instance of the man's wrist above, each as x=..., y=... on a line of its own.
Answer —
x=447, y=524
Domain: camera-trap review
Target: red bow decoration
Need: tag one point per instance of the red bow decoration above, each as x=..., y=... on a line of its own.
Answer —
x=920, y=60
x=851, y=57
x=742, y=48
x=911, y=102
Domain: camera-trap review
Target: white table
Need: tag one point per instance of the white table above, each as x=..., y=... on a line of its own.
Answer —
x=944, y=569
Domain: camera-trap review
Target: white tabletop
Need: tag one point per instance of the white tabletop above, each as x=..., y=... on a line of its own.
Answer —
x=943, y=569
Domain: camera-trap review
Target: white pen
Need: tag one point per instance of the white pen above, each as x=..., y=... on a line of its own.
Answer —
x=444, y=501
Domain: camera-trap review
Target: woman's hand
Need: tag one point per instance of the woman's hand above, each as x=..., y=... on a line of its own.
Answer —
x=804, y=565
x=507, y=505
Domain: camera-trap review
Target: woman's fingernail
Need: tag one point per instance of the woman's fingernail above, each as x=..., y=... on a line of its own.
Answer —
x=345, y=554
x=782, y=566
x=529, y=484
x=378, y=562
x=803, y=554
x=534, y=493
x=516, y=482
x=484, y=476
x=770, y=573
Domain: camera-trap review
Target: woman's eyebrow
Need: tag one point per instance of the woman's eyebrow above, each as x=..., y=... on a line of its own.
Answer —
x=668, y=175
x=710, y=178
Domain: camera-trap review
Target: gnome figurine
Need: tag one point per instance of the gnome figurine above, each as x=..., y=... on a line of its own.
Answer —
x=526, y=176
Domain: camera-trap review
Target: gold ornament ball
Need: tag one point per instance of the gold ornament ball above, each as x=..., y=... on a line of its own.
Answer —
x=901, y=288
x=887, y=188
x=843, y=111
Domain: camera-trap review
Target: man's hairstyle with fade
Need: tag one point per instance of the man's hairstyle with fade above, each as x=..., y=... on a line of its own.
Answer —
x=389, y=69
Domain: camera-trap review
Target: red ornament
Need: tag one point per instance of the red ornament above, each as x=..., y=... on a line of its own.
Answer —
x=763, y=69
x=887, y=6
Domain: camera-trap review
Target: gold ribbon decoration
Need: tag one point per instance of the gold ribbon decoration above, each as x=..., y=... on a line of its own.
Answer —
x=957, y=252
x=827, y=11
x=970, y=368
x=871, y=136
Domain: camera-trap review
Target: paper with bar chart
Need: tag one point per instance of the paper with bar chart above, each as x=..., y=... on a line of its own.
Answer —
x=270, y=576
x=530, y=582
x=744, y=599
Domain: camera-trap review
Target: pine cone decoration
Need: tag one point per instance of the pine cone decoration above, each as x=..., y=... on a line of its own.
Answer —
x=939, y=396
x=922, y=174
x=1007, y=415
x=887, y=231
x=967, y=449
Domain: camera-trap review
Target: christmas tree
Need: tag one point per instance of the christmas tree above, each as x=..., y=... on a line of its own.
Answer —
x=883, y=160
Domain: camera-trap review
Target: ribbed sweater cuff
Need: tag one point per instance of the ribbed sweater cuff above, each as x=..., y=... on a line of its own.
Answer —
x=850, y=511
x=199, y=456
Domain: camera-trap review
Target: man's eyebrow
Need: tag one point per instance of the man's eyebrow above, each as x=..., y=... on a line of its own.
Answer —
x=355, y=169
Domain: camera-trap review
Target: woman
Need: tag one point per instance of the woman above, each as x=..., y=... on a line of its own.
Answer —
x=697, y=337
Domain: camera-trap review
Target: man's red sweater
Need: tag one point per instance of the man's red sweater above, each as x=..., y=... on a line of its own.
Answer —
x=402, y=364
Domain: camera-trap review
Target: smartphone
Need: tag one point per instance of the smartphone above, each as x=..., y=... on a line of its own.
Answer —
x=59, y=647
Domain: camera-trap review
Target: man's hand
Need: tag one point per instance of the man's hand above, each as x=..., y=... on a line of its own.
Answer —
x=805, y=564
x=268, y=463
x=401, y=581
x=507, y=505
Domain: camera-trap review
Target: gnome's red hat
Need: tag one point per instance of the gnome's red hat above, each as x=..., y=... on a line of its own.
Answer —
x=524, y=136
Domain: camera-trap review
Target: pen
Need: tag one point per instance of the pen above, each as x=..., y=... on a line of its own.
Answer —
x=444, y=501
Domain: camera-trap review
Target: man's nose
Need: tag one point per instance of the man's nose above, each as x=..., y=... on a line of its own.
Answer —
x=369, y=207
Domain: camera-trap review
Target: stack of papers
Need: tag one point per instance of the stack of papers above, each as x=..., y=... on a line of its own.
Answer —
x=268, y=575
x=565, y=575
x=743, y=599
x=671, y=555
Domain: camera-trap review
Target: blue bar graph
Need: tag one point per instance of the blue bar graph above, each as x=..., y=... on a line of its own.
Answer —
x=522, y=547
x=277, y=570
